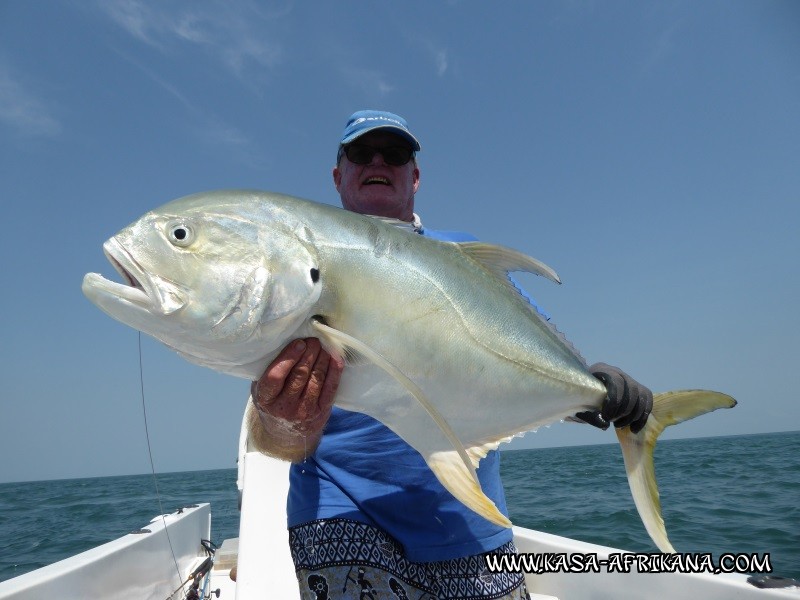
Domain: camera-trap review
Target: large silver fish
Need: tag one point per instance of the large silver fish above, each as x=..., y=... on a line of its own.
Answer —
x=441, y=347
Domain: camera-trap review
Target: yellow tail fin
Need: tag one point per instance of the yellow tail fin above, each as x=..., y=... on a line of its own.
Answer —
x=637, y=450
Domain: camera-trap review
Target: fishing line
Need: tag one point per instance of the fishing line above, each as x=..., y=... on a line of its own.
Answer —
x=152, y=464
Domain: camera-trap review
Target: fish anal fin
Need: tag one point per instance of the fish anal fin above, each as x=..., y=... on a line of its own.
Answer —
x=476, y=453
x=456, y=478
x=502, y=261
x=637, y=450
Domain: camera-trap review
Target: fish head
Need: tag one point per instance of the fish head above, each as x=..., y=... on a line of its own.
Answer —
x=219, y=284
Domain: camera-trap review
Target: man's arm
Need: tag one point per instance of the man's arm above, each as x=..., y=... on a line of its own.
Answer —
x=293, y=400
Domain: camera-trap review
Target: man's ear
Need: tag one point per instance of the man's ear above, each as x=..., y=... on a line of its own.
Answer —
x=337, y=177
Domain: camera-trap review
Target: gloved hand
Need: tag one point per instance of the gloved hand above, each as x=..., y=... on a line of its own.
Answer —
x=628, y=402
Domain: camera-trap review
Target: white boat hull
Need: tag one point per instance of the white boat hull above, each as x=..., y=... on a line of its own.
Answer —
x=137, y=565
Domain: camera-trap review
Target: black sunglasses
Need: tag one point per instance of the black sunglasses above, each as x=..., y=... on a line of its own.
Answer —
x=360, y=154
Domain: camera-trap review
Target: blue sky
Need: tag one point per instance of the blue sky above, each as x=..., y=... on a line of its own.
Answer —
x=649, y=152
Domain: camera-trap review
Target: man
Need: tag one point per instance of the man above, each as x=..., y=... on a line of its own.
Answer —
x=366, y=515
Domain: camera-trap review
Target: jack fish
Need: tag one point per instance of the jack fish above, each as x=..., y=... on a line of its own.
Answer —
x=440, y=346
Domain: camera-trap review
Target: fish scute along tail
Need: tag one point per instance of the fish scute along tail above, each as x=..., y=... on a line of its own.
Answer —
x=637, y=449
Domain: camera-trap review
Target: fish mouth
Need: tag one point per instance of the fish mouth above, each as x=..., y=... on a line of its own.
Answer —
x=134, y=287
x=127, y=274
x=138, y=287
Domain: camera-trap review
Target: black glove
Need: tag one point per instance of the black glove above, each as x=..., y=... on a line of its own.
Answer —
x=628, y=402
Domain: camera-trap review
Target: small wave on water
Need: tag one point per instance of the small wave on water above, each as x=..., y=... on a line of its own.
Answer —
x=45, y=521
x=729, y=494
x=737, y=494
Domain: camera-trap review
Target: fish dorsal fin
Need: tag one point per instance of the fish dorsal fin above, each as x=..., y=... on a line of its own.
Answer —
x=349, y=347
x=502, y=261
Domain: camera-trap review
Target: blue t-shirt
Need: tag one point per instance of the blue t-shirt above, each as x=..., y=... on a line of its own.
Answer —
x=363, y=471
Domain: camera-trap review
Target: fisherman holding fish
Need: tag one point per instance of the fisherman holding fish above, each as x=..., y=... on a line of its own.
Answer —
x=446, y=360
x=366, y=514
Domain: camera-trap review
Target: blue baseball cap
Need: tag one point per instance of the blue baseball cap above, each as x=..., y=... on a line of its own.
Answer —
x=364, y=121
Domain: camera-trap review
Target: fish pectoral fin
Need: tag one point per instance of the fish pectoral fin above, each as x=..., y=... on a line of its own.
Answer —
x=502, y=261
x=637, y=450
x=346, y=345
x=450, y=471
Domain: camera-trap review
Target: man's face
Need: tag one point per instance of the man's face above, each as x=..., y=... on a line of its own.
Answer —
x=378, y=188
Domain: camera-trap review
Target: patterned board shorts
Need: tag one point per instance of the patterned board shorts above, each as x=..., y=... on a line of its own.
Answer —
x=339, y=558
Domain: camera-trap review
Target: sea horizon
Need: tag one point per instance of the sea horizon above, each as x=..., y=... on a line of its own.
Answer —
x=504, y=450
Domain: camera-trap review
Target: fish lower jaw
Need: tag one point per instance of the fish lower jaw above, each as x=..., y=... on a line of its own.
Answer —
x=96, y=286
x=108, y=294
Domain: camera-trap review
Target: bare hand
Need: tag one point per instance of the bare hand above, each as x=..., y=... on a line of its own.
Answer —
x=295, y=394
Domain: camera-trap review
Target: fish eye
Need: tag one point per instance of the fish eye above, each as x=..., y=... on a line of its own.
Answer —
x=180, y=234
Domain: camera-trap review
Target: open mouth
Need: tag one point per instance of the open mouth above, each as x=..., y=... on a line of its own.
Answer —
x=127, y=276
x=139, y=287
x=139, y=297
x=376, y=181
x=132, y=273
x=135, y=287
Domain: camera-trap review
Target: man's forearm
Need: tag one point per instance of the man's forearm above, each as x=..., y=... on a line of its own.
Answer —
x=278, y=437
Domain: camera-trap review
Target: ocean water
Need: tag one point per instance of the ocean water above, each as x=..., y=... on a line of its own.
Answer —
x=719, y=495
x=734, y=494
